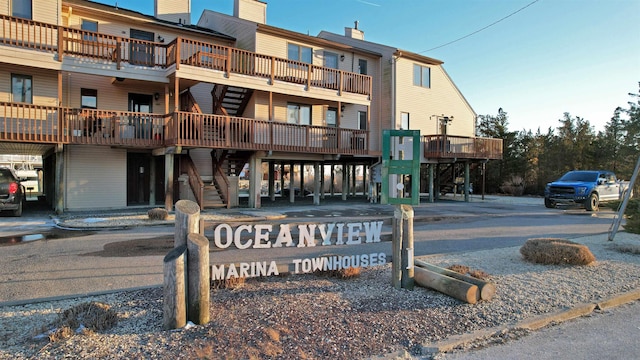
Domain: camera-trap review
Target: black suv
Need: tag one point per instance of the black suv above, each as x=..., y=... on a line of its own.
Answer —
x=11, y=192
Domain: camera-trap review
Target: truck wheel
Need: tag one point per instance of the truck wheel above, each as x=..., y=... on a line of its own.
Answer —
x=18, y=211
x=549, y=204
x=592, y=202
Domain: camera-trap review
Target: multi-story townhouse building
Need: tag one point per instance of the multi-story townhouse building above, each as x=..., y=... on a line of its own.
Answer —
x=418, y=94
x=129, y=109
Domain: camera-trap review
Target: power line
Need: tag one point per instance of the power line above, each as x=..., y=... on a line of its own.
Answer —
x=484, y=28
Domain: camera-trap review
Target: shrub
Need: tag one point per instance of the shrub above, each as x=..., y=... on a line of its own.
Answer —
x=231, y=283
x=556, y=251
x=513, y=186
x=158, y=214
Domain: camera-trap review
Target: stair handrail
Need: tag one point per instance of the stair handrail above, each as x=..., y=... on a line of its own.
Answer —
x=221, y=180
x=195, y=181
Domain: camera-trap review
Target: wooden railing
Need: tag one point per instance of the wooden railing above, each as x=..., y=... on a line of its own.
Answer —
x=98, y=46
x=28, y=34
x=47, y=124
x=460, y=147
x=232, y=60
x=227, y=132
x=195, y=181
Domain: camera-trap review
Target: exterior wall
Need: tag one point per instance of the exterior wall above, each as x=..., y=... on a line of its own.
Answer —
x=42, y=10
x=424, y=105
x=243, y=30
x=95, y=187
x=44, y=84
x=110, y=96
x=178, y=11
x=381, y=69
x=250, y=10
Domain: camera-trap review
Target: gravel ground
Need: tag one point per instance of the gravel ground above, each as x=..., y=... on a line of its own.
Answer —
x=319, y=317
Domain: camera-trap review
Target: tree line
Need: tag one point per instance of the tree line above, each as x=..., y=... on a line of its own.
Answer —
x=531, y=160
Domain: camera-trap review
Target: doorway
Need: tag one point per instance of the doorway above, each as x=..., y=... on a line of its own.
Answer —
x=141, y=52
x=142, y=169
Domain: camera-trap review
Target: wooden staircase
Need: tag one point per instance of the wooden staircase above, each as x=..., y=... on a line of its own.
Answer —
x=230, y=100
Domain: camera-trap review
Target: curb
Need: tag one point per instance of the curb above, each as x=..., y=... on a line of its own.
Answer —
x=529, y=324
x=74, y=296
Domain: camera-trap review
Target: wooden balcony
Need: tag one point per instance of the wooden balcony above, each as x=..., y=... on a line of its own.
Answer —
x=227, y=132
x=64, y=41
x=45, y=124
x=460, y=147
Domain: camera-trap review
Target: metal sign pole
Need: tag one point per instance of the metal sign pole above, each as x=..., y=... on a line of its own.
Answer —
x=616, y=220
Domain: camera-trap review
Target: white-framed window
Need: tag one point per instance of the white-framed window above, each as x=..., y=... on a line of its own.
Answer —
x=299, y=114
x=22, y=9
x=299, y=53
x=21, y=88
x=421, y=76
x=362, y=120
x=404, y=121
x=332, y=117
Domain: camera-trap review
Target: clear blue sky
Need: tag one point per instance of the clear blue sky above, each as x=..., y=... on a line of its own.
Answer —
x=554, y=56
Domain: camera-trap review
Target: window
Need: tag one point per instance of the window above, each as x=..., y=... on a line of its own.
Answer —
x=299, y=114
x=362, y=66
x=89, y=98
x=299, y=53
x=332, y=116
x=21, y=88
x=330, y=60
x=362, y=120
x=21, y=9
x=404, y=118
x=89, y=25
x=421, y=76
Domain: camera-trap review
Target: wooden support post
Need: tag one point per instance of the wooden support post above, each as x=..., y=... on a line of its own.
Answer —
x=322, y=192
x=466, y=181
x=187, y=221
x=174, y=307
x=168, y=181
x=316, y=183
x=455, y=288
x=402, y=248
x=407, y=247
x=345, y=181
x=272, y=181
x=198, y=278
x=292, y=182
x=431, y=187
x=486, y=289
x=59, y=179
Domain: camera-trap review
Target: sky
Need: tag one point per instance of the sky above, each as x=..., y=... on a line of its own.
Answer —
x=535, y=59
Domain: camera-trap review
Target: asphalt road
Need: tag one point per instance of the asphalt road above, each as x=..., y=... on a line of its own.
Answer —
x=83, y=262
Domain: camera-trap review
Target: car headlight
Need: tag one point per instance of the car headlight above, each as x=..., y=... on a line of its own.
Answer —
x=581, y=190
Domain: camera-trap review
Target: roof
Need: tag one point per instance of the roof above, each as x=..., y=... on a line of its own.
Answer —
x=92, y=5
x=268, y=29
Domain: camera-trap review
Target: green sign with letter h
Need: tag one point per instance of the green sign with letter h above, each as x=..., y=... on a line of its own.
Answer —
x=400, y=161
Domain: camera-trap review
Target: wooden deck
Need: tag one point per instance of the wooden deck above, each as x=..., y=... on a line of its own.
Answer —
x=64, y=41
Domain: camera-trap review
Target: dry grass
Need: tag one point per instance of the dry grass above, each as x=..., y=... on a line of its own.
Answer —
x=158, y=214
x=348, y=273
x=550, y=251
x=465, y=270
x=86, y=318
x=627, y=248
x=231, y=283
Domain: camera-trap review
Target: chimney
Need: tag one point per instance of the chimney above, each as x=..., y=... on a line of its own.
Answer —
x=177, y=11
x=354, y=33
x=252, y=10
